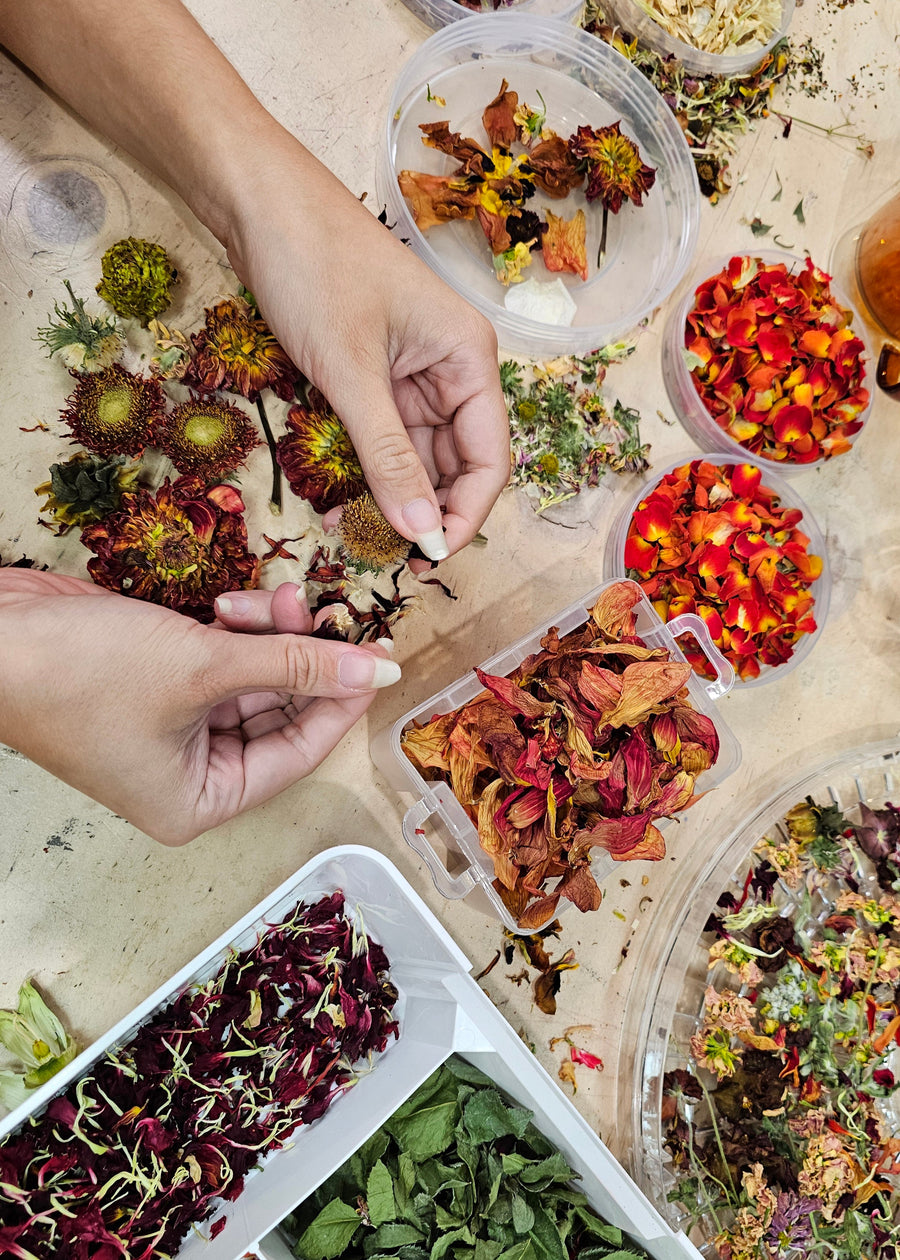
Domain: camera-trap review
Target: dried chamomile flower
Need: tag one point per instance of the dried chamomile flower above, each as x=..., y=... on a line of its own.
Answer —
x=85, y=343
x=137, y=276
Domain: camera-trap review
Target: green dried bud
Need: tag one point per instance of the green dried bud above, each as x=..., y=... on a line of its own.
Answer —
x=85, y=343
x=136, y=279
x=86, y=488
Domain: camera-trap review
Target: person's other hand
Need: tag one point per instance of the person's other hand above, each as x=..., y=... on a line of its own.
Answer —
x=409, y=366
x=174, y=725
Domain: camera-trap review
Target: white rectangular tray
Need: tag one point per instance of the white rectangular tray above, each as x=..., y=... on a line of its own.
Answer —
x=441, y=1011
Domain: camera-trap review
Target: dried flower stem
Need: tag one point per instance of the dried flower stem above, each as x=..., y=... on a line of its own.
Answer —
x=275, y=498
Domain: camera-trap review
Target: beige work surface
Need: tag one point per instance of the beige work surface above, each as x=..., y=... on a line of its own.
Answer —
x=100, y=915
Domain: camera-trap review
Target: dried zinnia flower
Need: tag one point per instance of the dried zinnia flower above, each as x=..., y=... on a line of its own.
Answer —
x=368, y=540
x=181, y=547
x=86, y=488
x=206, y=436
x=613, y=166
x=136, y=279
x=112, y=412
x=85, y=343
x=317, y=456
x=237, y=351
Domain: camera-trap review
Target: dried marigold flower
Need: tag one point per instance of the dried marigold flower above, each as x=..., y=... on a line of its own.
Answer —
x=85, y=343
x=237, y=351
x=181, y=547
x=112, y=412
x=206, y=436
x=613, y=166
x=317, y=456
x=137, y=276
x=368, y=540
x=86, y=488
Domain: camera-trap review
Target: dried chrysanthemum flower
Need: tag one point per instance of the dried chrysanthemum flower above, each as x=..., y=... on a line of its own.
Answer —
x=85, y=343
x=181, y=547
x=613, y=166
x=112, y=412
x=86, y=488
x=237, y=351
x=368, y=540
x=136, y=279
x=317, y=456
x=206, y=436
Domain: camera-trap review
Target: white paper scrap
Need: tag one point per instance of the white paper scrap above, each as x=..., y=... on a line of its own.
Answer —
x=547, y=302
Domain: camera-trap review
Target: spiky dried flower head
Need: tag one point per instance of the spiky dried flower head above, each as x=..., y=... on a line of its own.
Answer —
x=85, y=343
x=137, y=276
x=181, y=547
x=112, y=412
x=368, y=540
x=317, y=456
x=86, y=487
x=613, y=165
x=237, y=351
x=206, y=436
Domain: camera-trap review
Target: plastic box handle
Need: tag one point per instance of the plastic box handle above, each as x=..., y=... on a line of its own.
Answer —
x=414, y=834
x=690, y=623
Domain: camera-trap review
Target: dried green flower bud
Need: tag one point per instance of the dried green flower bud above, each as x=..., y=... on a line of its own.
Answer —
x=136, y=279
x=85, y=343
x=86, y=488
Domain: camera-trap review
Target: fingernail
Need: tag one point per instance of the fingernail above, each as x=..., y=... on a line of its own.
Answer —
x=364, y=671
x=236, y=605
x=387, y=644
x=300, y=595
x=424, y=520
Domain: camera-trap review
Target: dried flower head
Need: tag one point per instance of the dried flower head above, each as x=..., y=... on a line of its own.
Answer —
x=137, y=276
x=181, y=547
x=613, y=166
x=206, y=436
x=368, y=540
x=112, y=412
x=86, y=488
x=85, y=343
x=237, y=351
x=317, y=456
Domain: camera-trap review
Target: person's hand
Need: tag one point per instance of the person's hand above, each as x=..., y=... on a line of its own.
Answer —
x=409, y=367
x=174, y=725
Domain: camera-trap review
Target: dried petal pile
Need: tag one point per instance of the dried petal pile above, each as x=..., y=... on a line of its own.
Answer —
x=781, y=1118
x=585, y=744
x=775, y=362
x=725, y=27
x=713, y=540
x=133, y=1155
x=493, y=186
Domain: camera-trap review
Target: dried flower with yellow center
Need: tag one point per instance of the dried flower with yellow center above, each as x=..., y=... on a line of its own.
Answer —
x=112, y=412
x=206, y=436
x=368, y=540
x=137, y=276
x=613, y=166
x=317, y=456
x=237, y=351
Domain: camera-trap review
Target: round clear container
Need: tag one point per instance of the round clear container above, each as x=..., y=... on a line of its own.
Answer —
x=583, y=82
x=664, y=1003
x=632, y=18
x=614, y=553
x=682, y=391
x=438, y=13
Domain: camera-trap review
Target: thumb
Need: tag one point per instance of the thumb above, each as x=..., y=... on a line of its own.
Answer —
x=395, y=473
x=295, y=663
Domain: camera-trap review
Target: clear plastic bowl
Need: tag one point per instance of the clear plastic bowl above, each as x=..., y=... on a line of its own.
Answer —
x=438, y=809
x=584, y=82
x=666, y=996
x=438, y=13
x=614, y=554
x=630, y=17
x=682, y=391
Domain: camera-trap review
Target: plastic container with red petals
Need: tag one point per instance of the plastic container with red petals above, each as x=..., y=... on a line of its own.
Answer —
x=775, y=375
x=624, y=557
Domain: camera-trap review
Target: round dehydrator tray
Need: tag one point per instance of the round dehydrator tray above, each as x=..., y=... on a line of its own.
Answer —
x=664, y=1004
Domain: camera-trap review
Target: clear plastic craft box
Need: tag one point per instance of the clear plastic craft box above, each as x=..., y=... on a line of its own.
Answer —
x=682, y=391
x=441, y=1011
x=438, y=13
x=633, y=19
x=583, y=82
x=438, y=817
x=614, y=554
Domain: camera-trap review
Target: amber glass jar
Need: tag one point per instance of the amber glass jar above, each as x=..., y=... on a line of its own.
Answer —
x=878, y=265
